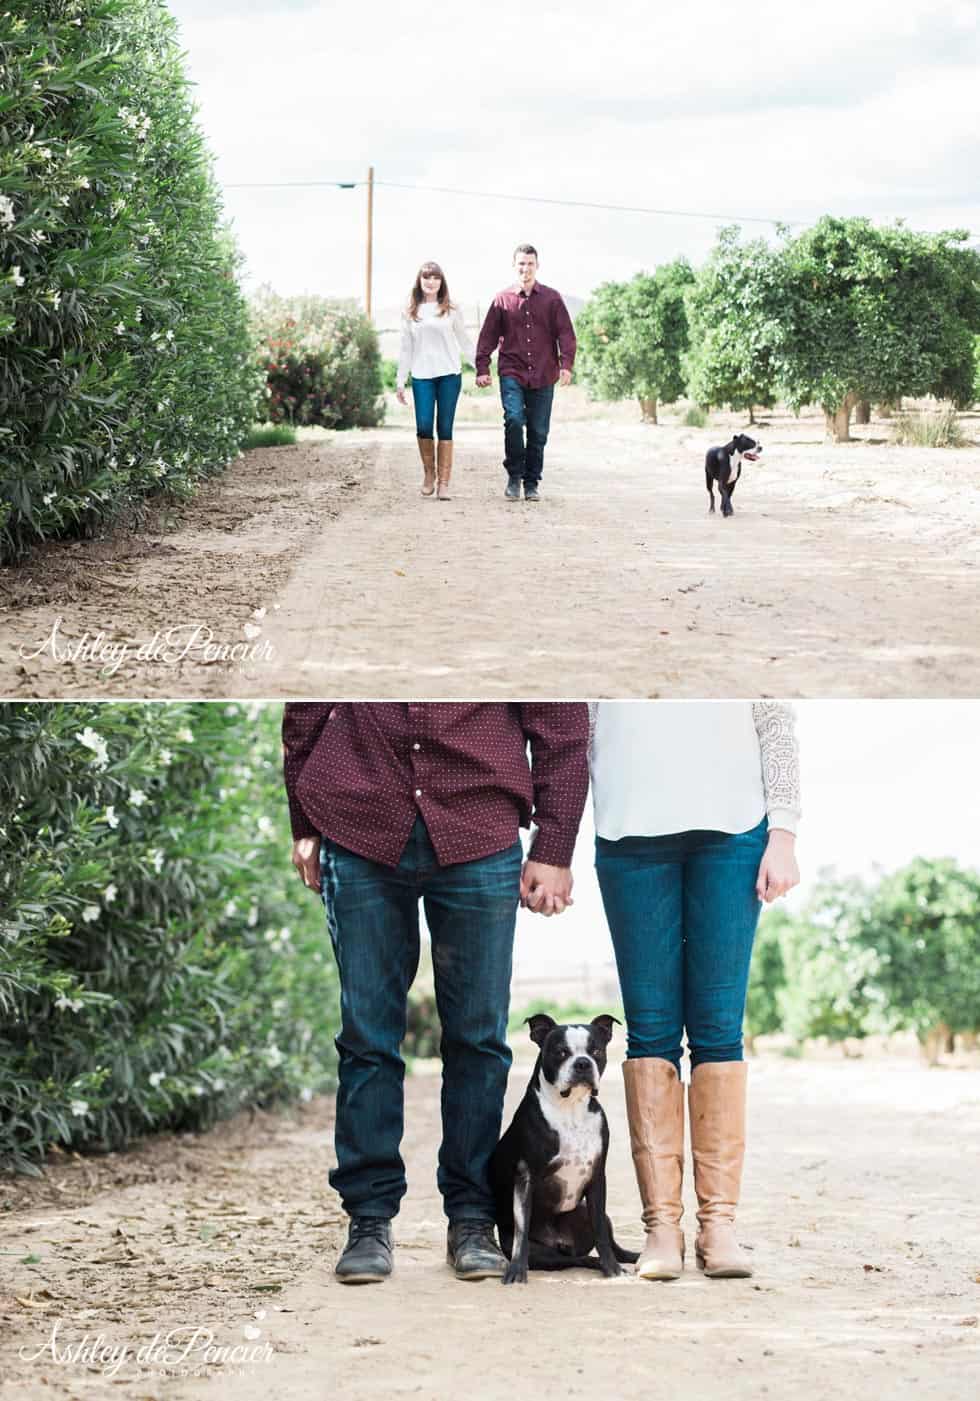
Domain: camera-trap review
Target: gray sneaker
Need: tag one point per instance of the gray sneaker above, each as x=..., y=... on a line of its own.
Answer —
x=531, y=493
x=513, y=489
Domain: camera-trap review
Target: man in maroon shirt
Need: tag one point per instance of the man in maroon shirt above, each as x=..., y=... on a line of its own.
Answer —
x=397, y=802
x=530, y=325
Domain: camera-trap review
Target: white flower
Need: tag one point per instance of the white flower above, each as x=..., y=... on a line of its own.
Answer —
x=156, y=1078
x=110, y=816
x=45, y=153
x=136, y=797
x=170, y=335
x=64, y=199
x=219, y=1084
x=306, y=1094
x=120, y=328
x=6, y=211
x=48, y=497
x=273, y=1056
x=69, y=1004
x=185, y=735
x=55, y=299
x=264, y=824
x=166, y=756
x=16, y=276
x=79, y=1107
x=113, y=462
x=138, y=313
x=94, y=741
x=155, y=857
x=197, y=1091
x=91, y=913
x=83, y=182
x=230, y=909
x=110, y=893
x=253, y=917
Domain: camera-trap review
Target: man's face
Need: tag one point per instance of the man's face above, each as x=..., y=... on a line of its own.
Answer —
x=526, y=267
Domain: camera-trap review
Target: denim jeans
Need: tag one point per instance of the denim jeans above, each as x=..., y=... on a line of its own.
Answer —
x=434, y=397
x=682, y=910
x=525, y=409
x=373, y=915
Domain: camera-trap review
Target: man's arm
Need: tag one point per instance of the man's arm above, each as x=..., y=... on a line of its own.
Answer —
x=565, y=336
x=559, y=737
x=302, y=722
x=490, y=333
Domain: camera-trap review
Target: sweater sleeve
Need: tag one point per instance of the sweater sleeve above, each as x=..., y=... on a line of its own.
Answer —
x=302, y=722
x=490, y=334
x=404, y=353
x=565, y=336
x=775, y=724
x=463, y=339
x=559, y=736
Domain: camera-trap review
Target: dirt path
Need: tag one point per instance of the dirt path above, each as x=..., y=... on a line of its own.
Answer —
x=850, y=570
x=857, y=1183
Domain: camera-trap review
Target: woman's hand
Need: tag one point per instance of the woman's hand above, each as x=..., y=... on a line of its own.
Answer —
x=778, y=871
x=400, y=396
x=306, y=859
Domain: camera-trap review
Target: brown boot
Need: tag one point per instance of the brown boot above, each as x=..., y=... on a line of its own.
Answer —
x=427, y=452
x=716, y=1100
x=445, y=469
x=655, y=1110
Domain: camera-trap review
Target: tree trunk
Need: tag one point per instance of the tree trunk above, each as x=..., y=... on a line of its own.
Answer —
x=648, y=408
x=839, y=420
x=889, y=409
x=934, y=1042
x=862, y=411
x=751, y=413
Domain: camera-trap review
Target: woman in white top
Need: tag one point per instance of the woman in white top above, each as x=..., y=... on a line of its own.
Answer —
x=434, y=342
x=696, y=808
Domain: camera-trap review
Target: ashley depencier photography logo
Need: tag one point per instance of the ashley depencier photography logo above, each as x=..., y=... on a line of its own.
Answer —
x=183, y=1350
x=190, y=640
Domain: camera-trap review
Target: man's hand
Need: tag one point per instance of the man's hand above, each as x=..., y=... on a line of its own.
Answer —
x=483, y=381
x=400, y=396
x=547, y=890
x=565, y=377
x=306, y=859
x=778, y=871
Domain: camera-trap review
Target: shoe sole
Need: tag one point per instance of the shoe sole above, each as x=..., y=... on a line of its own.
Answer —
x=658, y=1274
x=475, y=1274
x=362, y=1279
x=735, y=1272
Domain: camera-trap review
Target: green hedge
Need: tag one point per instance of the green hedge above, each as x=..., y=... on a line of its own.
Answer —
x=321, y=361
x=161, y=963
x=126, y=363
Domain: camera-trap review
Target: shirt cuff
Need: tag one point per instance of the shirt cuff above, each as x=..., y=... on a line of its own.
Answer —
x=299, y=822
x=552, y=847
x=784, y=818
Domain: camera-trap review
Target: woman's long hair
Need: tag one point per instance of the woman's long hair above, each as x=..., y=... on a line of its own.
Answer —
x=418, y=296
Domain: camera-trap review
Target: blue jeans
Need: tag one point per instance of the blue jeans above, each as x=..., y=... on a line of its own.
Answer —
x=373, y=915
x=434, y=397
x=525, y=409
x=682, y=910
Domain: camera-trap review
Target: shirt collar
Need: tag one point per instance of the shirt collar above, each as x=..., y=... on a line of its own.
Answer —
x=519, y=289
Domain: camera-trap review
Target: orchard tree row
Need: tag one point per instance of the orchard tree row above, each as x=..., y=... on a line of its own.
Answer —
x=843, y=314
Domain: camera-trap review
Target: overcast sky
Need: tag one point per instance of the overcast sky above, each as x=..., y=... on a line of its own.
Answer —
x=762, y=108
x=882, y=782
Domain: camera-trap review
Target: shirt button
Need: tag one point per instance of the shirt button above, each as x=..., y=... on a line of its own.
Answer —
x=416, y=745
x=418, y=792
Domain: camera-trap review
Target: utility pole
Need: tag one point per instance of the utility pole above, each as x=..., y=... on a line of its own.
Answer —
x=370, y=235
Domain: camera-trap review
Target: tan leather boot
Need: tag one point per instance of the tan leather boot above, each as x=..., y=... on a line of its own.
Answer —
x=716, y=1099
x=655, y=1110
x=427, y=452
x=445, y=469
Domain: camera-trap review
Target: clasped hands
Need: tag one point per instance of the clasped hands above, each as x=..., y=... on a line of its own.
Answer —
x=546, y=890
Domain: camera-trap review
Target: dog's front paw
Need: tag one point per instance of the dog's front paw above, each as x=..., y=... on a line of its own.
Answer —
x=612, y=1268
x=515, y=1273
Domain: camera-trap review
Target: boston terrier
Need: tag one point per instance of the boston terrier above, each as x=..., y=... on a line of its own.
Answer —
x=724, y=466
x=549, y=1169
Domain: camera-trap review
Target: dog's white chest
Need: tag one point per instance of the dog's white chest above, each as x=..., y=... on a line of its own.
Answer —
x=579, y=1148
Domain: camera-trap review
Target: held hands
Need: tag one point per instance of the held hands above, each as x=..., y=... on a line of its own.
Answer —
x=306, y=859
x=547, y=890
x=400, y=396
x=482, y=381
x=565, y=378
x=778, y=871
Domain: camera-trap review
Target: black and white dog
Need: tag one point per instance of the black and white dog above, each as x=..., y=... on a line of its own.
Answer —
x=548, y=1171
x=724, y=466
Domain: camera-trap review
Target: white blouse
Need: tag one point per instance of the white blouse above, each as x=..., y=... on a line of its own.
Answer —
x=676, y=766
x=433, y=345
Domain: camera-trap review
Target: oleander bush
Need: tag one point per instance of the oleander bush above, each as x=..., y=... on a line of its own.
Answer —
x=126, y=364
x=321, y=360
x=161, y=964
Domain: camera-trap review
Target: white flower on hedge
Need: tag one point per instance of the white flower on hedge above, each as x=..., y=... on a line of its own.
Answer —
x=48, y=497
x=55, y=298
x=155, y=858
x=157, y=1078
x=253, y=917
x=110, y=816
x=113, y=462
x=264, y=824
x=16, y=276
x=91, y=913
x=45, y=153
x=79, y=1107
x=136, y=797
x=138, y=313
x=94, y=741
x=197, y=1091
x=83, y=183
x=7, y=217
x=166, y=757
x=230, y=909
x=69, y=1004
x=110, y=893
x=120, y=328
x=273, y=1056
x=170, y=335
x=64, y=199
x=184, y=735
x=219, y=1084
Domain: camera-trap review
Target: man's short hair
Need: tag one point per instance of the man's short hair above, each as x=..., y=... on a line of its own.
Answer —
x=525, y=248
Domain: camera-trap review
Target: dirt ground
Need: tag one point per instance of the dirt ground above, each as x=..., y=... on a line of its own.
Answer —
x=857, y=1210
x=850, y=570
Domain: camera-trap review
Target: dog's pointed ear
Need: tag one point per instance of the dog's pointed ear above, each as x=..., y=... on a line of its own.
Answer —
x=539, y=1025
x=603, y=1026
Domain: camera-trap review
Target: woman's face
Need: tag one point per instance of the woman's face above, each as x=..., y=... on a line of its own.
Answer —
x=431, y=284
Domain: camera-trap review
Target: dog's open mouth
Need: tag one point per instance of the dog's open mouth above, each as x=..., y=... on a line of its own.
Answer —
x=751, y=456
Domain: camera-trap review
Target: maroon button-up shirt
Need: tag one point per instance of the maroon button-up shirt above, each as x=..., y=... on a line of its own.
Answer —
x=361, y=772
x=534, y=332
